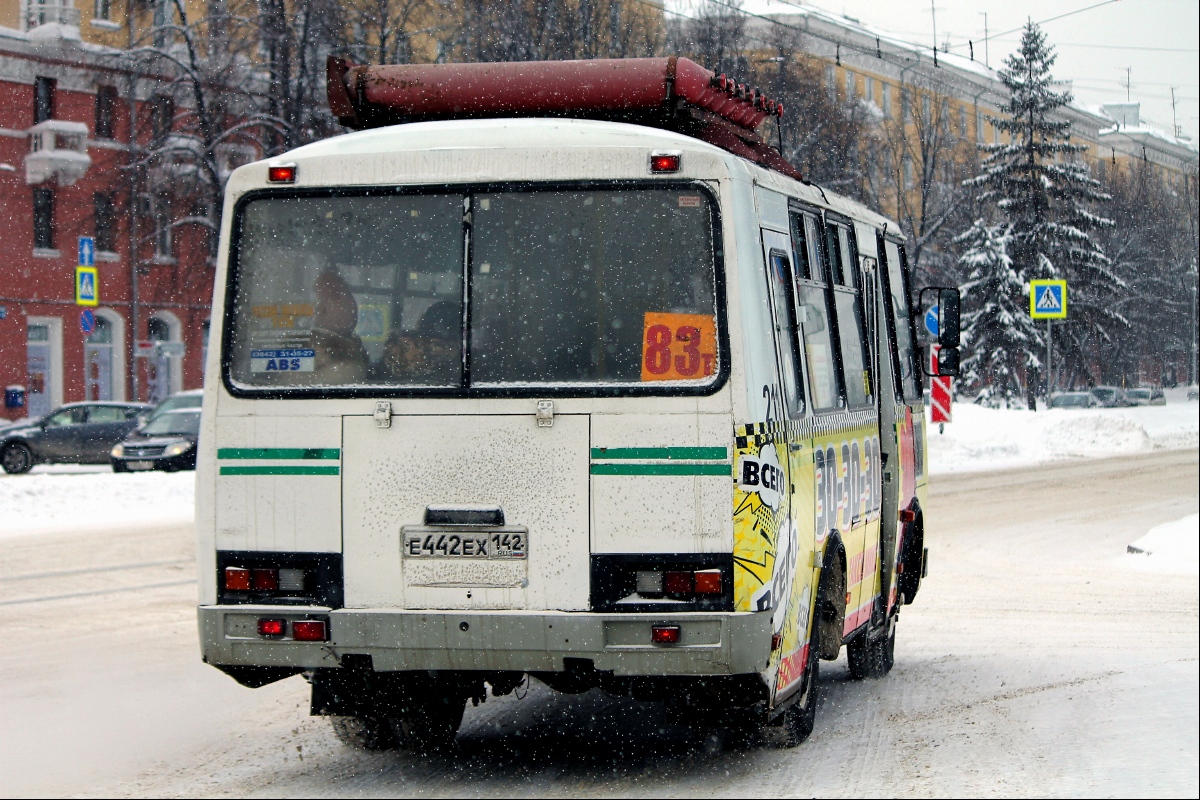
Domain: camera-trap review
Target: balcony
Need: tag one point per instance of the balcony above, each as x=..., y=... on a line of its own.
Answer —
x=48, y=20
x=58, y=152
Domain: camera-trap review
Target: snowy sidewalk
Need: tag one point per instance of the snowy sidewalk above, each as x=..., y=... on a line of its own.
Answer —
x=982, y=439
x=71, y=498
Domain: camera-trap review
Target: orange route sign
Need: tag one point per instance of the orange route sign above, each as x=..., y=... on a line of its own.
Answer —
x=678, y=347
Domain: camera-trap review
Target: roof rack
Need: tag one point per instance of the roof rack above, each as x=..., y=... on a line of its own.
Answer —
x=673, y=94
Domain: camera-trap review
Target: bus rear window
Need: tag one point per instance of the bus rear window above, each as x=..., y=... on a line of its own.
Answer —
x=531, y=288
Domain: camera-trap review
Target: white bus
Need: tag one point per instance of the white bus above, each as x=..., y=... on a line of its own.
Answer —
x=600, y=404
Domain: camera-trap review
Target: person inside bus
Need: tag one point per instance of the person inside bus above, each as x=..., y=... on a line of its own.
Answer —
x=340, y=357
x=427, y=355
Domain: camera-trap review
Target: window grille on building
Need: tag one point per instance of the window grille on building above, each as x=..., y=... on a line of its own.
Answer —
x=105, y=218
x=106, y=109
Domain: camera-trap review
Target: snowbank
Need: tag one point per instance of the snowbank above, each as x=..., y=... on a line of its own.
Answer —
x=1173, y=547
x=52, y=499
x=982, y=439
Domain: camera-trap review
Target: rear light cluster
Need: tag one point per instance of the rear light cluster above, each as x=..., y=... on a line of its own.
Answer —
x=264, y=579
x=303, y=630
x=668, y=161
x=679, y=584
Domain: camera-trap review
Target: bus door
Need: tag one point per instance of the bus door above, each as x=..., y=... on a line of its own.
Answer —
x=792, y=577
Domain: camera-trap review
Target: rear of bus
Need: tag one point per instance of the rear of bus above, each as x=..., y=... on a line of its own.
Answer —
x=471, y=412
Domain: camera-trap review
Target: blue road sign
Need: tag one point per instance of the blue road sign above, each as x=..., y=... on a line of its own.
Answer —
x=87, y=322
x=3, y=312
x=1048, y=299
x=931, y=320
x=87, y=251
x=87, y=293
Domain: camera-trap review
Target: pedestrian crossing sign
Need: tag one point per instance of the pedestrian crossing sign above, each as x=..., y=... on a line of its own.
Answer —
x=87, y=287
x=1048, y=299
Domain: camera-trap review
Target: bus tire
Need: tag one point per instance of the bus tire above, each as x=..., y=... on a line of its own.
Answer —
x=364, y=733
x=430, y=725
x=871, y=657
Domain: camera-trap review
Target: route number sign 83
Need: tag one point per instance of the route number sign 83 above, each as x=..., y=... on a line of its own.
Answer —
x=678, y=347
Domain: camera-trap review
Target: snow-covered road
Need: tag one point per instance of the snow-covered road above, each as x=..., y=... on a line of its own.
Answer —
x=1041, y=658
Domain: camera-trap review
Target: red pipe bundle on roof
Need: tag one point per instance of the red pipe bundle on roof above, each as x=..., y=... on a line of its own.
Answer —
x=672, y=93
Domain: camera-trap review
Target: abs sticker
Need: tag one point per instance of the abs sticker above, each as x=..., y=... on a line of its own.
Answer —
x=678, y=347
x=282, y=360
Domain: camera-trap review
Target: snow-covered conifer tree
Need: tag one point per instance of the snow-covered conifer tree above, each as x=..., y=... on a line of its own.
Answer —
x=998, y=335
x=1043, y=192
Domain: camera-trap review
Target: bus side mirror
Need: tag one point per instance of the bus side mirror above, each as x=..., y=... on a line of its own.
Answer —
x=947, y=363
x=944, y=303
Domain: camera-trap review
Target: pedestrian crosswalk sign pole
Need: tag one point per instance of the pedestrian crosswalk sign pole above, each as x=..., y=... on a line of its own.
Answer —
x=87, y=287
x=1048, y=300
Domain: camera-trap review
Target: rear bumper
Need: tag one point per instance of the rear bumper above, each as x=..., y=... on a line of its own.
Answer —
x=711, y=643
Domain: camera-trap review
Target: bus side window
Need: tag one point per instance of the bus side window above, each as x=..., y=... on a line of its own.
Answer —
x=899, y=317
x=779, y=273
x=847, y=296
x=816, y=324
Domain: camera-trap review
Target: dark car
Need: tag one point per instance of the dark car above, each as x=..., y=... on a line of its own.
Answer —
x=79, y=433
x=166, y=442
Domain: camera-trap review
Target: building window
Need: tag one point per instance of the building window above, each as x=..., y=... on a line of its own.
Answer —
x=103, y=10
x=851, y=85
x=925, y=106
x=905, y=105
x=962, y=122
x=163, y=246
x=830, y=83
x=162, y=113
x=887, y=166
x=908, y=171
x=106, y=108
x=43, y=219
x=43, y=99
x=886, y=91
x=105, y=223
x=869, y=88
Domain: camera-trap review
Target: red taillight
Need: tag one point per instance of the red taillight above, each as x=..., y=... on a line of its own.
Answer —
x=265, y=580
x=677, y=582
x=308, y=630
x=708, y=582
x=281, y=173
x=907, y=515
x=272, y=627
x=665, y=162
x=237, y=579
x=664, y=634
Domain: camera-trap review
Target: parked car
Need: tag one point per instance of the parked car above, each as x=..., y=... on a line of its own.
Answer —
x=191, y=398
x=1111, y=397
x=1074, y=400
x=1193, y=393
x=166, y=442
x=1146, y=396
x=77, y=433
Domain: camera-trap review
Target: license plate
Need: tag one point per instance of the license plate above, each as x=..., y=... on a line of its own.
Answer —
x=492, y=544
x=133, y=466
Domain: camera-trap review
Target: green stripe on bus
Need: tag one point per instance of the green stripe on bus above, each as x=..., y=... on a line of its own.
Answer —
x=279, y=470
x=661, y=469
x=289, y=453
x=671, y=453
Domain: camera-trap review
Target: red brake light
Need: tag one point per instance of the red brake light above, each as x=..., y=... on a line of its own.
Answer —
x=272, y=627
x=664, y=634
x=237, y=579
x=708, y=582
x=281, y=173
x=309, y=630
x=665, y=162
x=677, y=582
x=265, y=580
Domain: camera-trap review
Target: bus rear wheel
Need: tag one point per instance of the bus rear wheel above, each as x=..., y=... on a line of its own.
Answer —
x=872, y=657
x=364, y=733
x=431, y=723
x=801, y=717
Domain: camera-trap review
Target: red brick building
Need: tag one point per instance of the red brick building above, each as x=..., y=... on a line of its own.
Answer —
x=65, y=156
